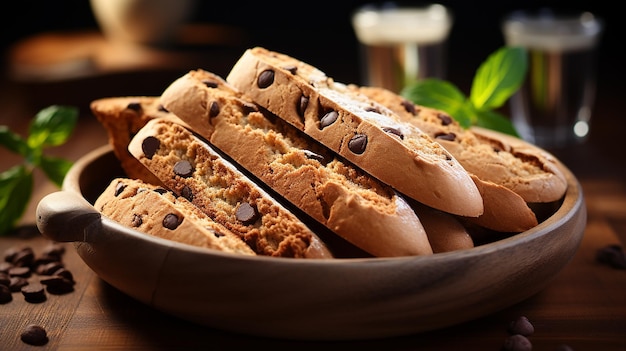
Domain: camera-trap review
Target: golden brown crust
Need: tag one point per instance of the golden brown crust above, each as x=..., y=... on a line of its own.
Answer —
x=358, y=129
x=492, y=157
x=156, y=211
x=122, y=117
x=354, y=205
x=190, y=168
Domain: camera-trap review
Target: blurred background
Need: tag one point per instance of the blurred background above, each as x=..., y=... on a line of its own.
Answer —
x=54, y=52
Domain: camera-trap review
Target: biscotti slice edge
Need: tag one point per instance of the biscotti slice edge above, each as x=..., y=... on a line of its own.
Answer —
x=397, y=153
x=191, y=168
x=354, y=205
x=154, y=210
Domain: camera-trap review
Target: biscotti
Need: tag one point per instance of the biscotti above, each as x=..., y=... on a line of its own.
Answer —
x=350, y=203
x=358, y=129
x=157, y=211
x=192, y=169
x=122, y=117
x=533, y=175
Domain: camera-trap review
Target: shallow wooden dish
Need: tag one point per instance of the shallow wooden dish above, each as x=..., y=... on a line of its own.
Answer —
x=335, y=299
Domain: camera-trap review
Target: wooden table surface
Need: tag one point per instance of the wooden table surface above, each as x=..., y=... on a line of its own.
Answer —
x=583, y=307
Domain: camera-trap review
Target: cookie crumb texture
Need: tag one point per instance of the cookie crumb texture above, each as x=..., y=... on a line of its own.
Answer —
x=188, y=166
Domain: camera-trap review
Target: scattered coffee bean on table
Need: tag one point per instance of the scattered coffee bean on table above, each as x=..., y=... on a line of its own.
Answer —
x=34, y=292
x=5, y=294
x=521, y=326
x=612, y=255
x=517, y=342
x=34, y=335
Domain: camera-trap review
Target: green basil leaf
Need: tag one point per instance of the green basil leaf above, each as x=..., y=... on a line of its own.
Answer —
x=496, y=121
x=13, y=141
x=52, y=126
x=55, y=168
x=498, y=78
x=16, y=186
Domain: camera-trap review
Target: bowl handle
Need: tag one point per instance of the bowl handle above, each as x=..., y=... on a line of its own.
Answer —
x=64, y=215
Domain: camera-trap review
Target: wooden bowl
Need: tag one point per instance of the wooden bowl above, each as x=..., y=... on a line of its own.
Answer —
x=330, y=299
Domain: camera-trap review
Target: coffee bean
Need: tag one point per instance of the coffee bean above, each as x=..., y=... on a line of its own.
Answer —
x=445, y=119
x=183, y=168
x=521, y=325
x=34, y=335
x=19, y=272
x=246, y=213
x=5, y=294
x=149, y=146
x=266, y=78
x=49, y=268
x=17, y=283
x=517, y=342
x=24, y=257
x=5, y=279
x=358, y=144
x=34, y=292
x=612, y=255
x=5, y=266
x=57, y=285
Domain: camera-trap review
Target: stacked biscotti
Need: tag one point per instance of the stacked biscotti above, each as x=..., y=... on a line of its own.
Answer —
x=285, y=160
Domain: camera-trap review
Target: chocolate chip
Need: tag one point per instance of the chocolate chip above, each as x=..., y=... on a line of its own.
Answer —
x=521, y=325
x=246, y=213
x=135, y=106
x=248, y=107
x=137, y=221
x=612, y=255
x=445, y=119
x=409, y=107
x=34, y=335
x=292, y=69
x=187, y=193
x=214, y=109
x=313, y=156
x=358, y=143
x=160, y=191
x=34, y=292
x=183, y=169
x=171, y=221
x=517, y=342
x=445, y=136
x=266, y=78
x=150, y=145
x=209, y=83
x=328, y=119
x=5, y=294
x=394, y=131
x=302, y=105
x=373, y=109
